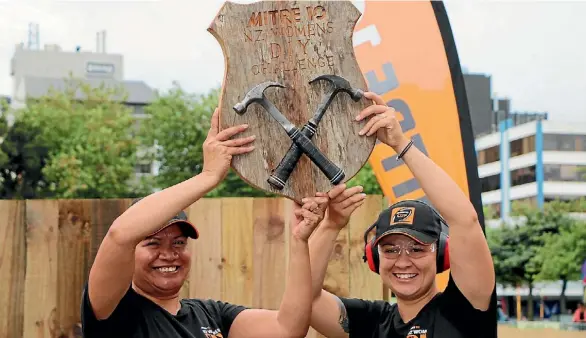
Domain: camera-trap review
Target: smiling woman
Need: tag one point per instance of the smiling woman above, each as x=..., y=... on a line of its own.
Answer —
x=409, y=248
x=144, y=260
x=162, y=260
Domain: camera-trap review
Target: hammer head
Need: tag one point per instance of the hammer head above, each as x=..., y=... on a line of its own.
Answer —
x=340, y=84
x=254, y=95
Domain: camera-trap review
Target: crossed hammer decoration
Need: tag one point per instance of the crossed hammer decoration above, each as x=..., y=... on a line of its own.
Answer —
x=302, y=143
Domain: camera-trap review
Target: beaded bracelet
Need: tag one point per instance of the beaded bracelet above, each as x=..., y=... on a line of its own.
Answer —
x=405, y=149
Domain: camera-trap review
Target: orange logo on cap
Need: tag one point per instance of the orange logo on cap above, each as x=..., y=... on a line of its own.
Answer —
x=403, y=215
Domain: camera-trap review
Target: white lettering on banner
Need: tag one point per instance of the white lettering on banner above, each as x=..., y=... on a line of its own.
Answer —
x=367, y=34
x=371, y=34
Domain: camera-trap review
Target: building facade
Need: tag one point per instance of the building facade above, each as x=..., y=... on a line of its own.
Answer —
x=480, y=103
x=536, y=162
x=36, y=71
x=539, y=161
x=486, y=111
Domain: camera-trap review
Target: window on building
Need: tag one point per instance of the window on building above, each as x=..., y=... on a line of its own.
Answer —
x=522, y=146
x=138, y=110
x=522, y=176
x=143, y=168
x=564, y=142
x=518, y=177
x=480, y=157
x=516, y=147
x=550, y=142
x=488, y=155
x=564, y=172
x=581, y=143
x=490, y=183
x=529, y=144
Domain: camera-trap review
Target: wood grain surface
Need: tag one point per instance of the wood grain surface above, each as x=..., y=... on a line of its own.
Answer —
x=292, y=42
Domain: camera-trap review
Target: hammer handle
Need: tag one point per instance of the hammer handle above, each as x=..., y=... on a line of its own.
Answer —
x=281, y=174
x=302, y=144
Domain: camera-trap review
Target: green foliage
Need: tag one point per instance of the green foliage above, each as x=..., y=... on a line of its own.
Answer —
x=83, y=142
x=178, y=123
x=510, y=255
x=530, y=234
x=541, y=245
x=366, y=178
x=4, y=109
x=85, y=132
x=562, y=254
x=23, y=156
x=234, y=186
x=575, y=205
x=489, y=212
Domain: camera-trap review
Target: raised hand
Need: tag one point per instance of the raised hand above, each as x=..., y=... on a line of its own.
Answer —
x=306, y=217
x=342, y=203
x=218, y=148
x=383, y=122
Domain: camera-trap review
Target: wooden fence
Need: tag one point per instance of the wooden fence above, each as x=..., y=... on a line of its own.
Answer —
x=48, y=246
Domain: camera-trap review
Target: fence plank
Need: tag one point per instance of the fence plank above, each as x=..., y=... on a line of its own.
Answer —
x=237, y=250
x=205, y=278
x=12, y=267
x=40, y=298
x=241, y=257
x=363, y=282
x=73, y=260
x=337, y=274
x=104, y=213
x=269, y=260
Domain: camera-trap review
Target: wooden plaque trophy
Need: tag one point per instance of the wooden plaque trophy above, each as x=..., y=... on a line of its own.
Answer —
x=292, y=76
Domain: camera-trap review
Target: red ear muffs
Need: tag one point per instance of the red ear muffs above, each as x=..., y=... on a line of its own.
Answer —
x=370, y=252
x=371, y=257
x=447, y=255
x=443, y=252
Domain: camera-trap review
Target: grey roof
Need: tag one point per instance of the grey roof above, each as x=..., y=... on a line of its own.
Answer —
x=138, y=91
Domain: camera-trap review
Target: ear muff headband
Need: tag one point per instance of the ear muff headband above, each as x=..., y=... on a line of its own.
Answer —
x=370, y=251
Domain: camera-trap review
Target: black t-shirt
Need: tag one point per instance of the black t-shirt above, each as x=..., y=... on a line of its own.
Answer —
x=137, y=316
x=448, y=315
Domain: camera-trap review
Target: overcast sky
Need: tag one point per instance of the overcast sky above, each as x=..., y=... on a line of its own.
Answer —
x=534, y=50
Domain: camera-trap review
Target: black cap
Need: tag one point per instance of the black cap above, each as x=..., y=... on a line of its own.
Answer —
x=411, y=218
x=181, y=220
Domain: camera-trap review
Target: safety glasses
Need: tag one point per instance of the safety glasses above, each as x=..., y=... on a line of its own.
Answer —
x=413, y=250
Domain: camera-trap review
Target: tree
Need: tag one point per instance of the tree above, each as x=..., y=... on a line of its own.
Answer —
x=23, y=156
x=176, y=125
x=561, y=256
x=489, y=212
x=515, y=244
x=234, y=186
x=83, y=138
x=512, y=248
x=366, y=178
x=574, y=205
